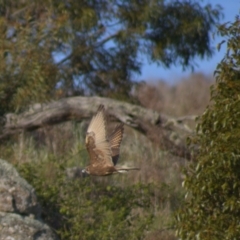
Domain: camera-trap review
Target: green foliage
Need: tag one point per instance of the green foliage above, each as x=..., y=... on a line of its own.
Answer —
x=52, y=49
x=87, y=208
x=212, y=209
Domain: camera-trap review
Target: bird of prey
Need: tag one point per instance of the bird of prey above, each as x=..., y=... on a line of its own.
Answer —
x=103, y=150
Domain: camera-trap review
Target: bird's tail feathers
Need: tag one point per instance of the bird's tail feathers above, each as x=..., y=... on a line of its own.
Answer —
x=124, y=170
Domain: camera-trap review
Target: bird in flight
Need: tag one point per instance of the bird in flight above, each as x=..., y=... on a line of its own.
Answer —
x=103, y=150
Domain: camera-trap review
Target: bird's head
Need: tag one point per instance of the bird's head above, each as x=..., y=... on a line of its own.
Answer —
x=85, y=171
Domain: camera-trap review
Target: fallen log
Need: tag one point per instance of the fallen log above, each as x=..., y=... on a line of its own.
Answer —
x=168, y=133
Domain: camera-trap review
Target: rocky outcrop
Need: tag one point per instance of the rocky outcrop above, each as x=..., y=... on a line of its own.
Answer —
x=16, y=195
x=19, y=210
x=16, y=227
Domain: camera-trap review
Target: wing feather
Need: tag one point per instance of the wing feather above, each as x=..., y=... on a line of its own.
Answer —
x=115, y=140
x=97, y=143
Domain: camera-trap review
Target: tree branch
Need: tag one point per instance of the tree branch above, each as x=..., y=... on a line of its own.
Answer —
x=98, y=44
x=149, y=122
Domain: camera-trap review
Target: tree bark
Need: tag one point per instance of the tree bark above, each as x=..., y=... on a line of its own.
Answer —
x=166, y=132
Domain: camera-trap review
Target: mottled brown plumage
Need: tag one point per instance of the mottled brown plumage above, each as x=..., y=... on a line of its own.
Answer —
x=103, y=150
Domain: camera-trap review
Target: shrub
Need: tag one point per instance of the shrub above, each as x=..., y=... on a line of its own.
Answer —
x=212, y=209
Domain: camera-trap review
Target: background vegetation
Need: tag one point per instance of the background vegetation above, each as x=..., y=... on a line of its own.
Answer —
x=58, y=48
x=54, y=49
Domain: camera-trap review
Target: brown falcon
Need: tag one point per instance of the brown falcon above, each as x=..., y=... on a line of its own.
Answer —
x=103, y=150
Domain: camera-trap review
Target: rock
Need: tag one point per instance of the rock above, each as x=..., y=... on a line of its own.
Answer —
x=16, y=227
x=16, y=195
x=19, y=210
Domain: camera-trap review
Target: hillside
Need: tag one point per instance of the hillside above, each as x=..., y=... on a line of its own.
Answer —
x=137, y=205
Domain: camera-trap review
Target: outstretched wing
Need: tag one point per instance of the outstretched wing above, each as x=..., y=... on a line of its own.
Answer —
x=115, y=140
x=96, y=140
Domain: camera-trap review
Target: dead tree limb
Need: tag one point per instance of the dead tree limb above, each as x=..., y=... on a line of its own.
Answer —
x=151, y=123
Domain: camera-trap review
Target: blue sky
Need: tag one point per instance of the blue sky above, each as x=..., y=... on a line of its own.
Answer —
x=206, y=66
